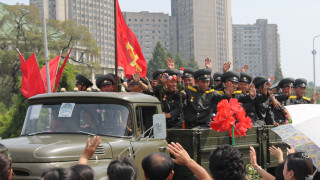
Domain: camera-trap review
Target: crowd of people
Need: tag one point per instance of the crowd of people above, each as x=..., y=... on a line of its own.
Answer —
x=189, y=98
x=225, y=163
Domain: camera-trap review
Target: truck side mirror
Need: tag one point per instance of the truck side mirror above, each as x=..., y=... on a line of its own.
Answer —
x=159, y=126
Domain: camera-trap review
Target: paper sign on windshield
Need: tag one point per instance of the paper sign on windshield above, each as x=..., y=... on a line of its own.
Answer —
x=66, y=109
x=35, y=113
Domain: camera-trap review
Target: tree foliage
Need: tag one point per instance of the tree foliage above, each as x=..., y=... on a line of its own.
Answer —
x=179, y=62
x=21, y=27
x=192, y=63
x=278, y=75
x=158, y=60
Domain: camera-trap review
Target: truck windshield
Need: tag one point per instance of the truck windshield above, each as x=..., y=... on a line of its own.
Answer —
x=103, y=119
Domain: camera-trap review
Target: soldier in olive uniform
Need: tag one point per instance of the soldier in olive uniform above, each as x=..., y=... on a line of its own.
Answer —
x=156, y=75
x=281, y=100
x=200, y=100
x=169, y=96
x=105, y=83
x=300, y=90
x=82, y=82
x=263, y=111
x=244, y=83
x=187, y=77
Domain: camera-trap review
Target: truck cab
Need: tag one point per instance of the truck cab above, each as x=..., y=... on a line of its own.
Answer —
x=57, y=126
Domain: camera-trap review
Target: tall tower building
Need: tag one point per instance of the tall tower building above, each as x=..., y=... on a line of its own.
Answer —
x=204, y=29
x=151, y=28
x=98, y=16
x=257, y=45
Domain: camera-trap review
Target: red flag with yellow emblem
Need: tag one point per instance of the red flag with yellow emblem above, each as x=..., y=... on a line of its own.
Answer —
x=129, y=53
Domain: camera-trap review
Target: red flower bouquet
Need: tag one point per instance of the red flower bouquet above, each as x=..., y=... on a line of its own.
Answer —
x=231, y=115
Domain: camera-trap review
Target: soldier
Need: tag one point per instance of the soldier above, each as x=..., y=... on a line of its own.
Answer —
x=200, y=101
x=105, y=83
x=188, y=78
x=217, y=78
x=169, y=96
x=156, y=75
x=139, y=84
x=263, y=111
x=281, y=100
x=244, y=83
x=300, y=90
x=82, y=82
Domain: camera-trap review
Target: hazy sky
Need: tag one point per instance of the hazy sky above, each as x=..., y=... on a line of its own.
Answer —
x=298, y=22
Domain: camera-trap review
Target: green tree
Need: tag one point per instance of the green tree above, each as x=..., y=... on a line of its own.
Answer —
x=158, y=60
x=278, y=75
x=193, y=63
x=179, y=62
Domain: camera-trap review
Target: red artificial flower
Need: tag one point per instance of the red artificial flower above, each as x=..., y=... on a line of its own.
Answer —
x=182, y=68
x=231, y=113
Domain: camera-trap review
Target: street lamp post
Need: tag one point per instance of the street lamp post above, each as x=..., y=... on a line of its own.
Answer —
x=314, y=52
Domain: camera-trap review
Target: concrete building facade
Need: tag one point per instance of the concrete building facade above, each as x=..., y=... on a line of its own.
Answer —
x=151, y=28
x=257, y=45
x=97, y=15
x=204, y=29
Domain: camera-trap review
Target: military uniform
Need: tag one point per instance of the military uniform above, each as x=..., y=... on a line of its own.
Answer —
x=279, y=114
x=234, y=76
x=199, y=104
x=263, y=109
x=83, y=81
x=299, y=100
x=170, y=100
x=249, y=107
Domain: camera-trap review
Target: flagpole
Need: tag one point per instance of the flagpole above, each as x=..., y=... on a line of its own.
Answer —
x=45, y=48
x=115, y=47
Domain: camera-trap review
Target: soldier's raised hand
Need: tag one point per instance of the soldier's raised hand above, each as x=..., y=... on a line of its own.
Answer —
x=245, y=68
x=207, y=63
x=170, y=63
x=226, y=66
x=252, y=91
x=314, y=97
x=136, y=76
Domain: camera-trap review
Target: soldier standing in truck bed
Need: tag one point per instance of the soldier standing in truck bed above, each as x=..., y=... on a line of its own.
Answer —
x=300, y=86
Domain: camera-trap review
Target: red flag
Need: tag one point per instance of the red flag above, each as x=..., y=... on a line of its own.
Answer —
x=53, y=66
x=22, y=60
x=60, y=72
x=32, y=83
x=129, y=53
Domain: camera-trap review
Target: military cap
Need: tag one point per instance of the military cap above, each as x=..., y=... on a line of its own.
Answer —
x=300, y=83
x=83, y=81
x=259, y=81
x=202, y=74
x=172, y=72
x=188, y=72
x=286, y=82
x=232, y=76
x=157, y=73
x=114, y=77
x=104, y=80
x=217, y=76
x=245, y=77
x=132, y=82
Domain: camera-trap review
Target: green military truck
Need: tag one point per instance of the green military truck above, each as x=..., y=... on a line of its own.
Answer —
x=57, y=126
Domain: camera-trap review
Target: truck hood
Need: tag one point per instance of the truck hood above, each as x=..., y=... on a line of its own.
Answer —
x=53, y=148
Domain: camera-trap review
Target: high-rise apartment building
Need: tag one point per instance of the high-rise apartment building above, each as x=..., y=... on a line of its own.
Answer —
x=97, y=15
x=257, y=45
x=151, y=28
x=204, y=29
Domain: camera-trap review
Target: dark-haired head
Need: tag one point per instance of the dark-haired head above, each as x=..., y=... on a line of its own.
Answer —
x=226, y=163
x=122, y=169
x=279, y=171
x=298, y=166
x=5, y=163
x=81, y=172
x=56, y=173
x=157, y=166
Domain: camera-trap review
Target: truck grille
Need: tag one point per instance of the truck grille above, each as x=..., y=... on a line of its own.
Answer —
x=100, y=150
